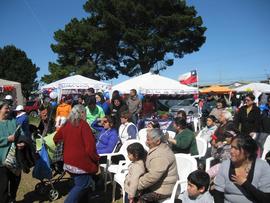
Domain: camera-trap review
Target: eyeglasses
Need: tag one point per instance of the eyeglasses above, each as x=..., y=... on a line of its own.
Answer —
x=105, y=121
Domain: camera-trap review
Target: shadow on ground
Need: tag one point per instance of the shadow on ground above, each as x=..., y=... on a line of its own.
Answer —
x=63, y=187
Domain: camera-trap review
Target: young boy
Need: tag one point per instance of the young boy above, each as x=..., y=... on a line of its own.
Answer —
x=197, y=190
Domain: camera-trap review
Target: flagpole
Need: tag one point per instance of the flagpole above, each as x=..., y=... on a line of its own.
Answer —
x=197, y=80
x=198, y=93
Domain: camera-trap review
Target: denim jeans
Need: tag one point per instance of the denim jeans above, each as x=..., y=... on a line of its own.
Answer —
x=81, y=183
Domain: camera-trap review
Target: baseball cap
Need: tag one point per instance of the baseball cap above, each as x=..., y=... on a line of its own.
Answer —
x=19, y=108
x=8, y=97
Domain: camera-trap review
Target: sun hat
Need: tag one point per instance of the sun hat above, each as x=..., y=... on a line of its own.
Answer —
x=19, y=108
x=8, y=97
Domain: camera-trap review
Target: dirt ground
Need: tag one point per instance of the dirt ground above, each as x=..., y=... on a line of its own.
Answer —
x=27, y=194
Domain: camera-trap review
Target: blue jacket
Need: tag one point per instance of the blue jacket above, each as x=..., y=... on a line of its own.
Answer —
x=24, y=122
x=107, y=139
x=105, y=106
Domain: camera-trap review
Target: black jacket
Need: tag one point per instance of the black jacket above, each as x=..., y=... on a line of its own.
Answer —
x=26, y=156
x=248, y=123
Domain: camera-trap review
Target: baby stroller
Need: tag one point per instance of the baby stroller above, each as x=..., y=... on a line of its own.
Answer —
x=46, y=169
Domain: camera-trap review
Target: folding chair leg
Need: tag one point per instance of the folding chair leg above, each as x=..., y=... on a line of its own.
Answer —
x=105, y=181
x=113, y=190
x=106, y=176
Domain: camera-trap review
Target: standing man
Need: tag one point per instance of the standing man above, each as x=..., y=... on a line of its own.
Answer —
x=134, y=105
x=23, y=120
x=248, y=118
x=88, y=93
x=207, y=107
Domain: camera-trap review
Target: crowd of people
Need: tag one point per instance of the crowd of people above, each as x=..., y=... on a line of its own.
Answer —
x=91, y=126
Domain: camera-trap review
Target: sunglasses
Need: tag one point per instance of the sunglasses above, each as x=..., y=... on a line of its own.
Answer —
x=106, y=121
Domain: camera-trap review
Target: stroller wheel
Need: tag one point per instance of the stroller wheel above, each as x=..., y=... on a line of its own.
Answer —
x=53, y=194
x=40, y=188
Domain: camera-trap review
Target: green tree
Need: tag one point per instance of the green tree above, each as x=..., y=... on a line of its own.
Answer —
x=16, y=66
x=127, y=37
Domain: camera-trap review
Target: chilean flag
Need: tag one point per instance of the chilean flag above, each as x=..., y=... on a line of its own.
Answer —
x=188, y=78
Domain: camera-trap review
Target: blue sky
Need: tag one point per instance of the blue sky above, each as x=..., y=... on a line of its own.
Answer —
x=236, y=48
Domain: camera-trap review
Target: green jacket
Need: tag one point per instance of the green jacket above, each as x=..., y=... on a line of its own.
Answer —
x=7, y=128
x=185, y=143
x=91, y=116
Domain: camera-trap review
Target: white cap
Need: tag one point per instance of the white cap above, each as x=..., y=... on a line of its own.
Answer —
x=8, y=97
x=19, y=108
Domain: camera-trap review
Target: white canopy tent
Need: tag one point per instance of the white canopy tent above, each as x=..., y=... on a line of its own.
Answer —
x=77, y=82
x=151, y=83
x=17, y=86
x=254, y=87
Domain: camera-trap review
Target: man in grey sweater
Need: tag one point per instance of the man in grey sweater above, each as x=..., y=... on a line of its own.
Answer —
x=134, y=105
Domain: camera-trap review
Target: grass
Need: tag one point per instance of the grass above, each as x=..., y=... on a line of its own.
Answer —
x=27, y=194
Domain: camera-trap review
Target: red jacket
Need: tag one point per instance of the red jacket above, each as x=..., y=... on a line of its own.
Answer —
x=79, y=146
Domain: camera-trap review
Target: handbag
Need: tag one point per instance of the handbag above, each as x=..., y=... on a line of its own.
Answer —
x=11, y=162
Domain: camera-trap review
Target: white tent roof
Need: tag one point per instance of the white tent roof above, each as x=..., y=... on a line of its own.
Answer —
x=76, y=82
x=255, y=87
x=150, y=83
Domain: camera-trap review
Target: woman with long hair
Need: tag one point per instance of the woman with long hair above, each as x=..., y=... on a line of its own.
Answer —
x=244, y=177
x=80, y=155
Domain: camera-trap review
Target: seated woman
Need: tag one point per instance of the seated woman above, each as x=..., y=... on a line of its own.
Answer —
x=184, y=140
x=221, y=153
x=108, y=137
x=152, y=124
x=127, y=129
x=226, y=124
x=243, y=178
x=181, y=114
x=161, y=172
x=219, y=109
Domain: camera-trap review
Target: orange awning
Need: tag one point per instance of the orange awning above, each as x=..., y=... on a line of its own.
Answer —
x=216, y=89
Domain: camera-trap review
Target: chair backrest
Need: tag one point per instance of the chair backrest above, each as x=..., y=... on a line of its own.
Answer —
x=142, y=134
x=201, y=146
x=143, y=143
x=185, y=165
x=196, y=124
x=266, y=147
x=123, y=149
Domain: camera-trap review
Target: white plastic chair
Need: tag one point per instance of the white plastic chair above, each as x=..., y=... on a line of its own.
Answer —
x=119, y=178
x=120, y=174
x=197, y=123
x=201, y=146
x=208, y=163
x=142, y=135
x=176, y=190
x=266, y=147
x=185, y=165
x=112, y=168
